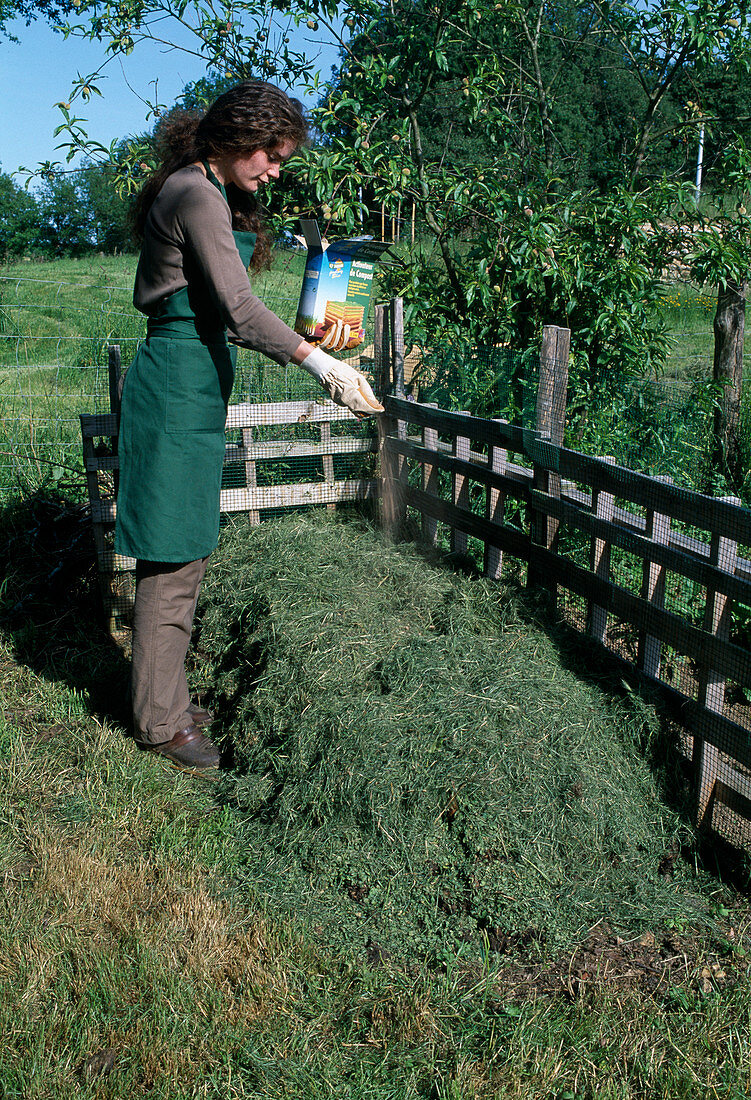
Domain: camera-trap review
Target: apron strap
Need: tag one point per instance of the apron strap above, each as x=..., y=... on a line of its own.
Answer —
x=212, y=179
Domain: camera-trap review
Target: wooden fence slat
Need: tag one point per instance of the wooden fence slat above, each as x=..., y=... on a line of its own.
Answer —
x=430, y=485
x=382, y=351
x=603, y=506
x=477, y=429
x=93, y=465
x=543, y=526
x=288, y=496
x=245, y=414
x=114, y=371
x=270, y=497
x=654, y=575
x=98, y=424
x=242, y=415
x=708, y=513
x=495, y=503
x=328, y=461
x=397, y=345
x=251, y=477
x=711, y=694
x=460, y=494
x=264, y=451
x=92, y=462
x=273, y=450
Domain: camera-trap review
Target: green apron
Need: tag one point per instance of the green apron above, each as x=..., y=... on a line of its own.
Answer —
x=171, y=441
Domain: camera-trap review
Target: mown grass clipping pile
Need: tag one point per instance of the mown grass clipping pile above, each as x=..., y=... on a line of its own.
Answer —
x=419, y=770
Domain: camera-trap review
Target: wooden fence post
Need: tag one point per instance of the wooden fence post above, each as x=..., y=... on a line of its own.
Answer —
x=550, y=422
x=389, y=353
x=397, y=345
x=727, y=372
x=114, y=370
x=393, y=474
x=460, y=493
x=552, y=387
x=603, y=506
x=382, y=349
x=430, y=482
x=657, y=529
x=495, y=502
x=724, y=556
x=114, y=376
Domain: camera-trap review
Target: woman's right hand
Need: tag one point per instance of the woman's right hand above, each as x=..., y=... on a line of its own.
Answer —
x=344, y=385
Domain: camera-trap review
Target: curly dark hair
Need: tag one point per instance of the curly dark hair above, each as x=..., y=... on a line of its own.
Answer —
x=249, y=116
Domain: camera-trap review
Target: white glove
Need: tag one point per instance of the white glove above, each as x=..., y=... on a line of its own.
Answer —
x=344, y=385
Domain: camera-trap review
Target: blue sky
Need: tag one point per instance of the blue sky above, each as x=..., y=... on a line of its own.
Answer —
x=37, y=72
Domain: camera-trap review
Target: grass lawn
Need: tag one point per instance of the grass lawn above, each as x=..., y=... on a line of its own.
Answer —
x=139, y=958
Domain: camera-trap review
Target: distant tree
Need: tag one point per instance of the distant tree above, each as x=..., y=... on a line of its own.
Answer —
x=19, y=220
x=719, y=97
x=64, y=228
x=104, y=207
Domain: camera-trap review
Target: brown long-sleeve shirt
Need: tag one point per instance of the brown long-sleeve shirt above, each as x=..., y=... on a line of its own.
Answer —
x=188, y=242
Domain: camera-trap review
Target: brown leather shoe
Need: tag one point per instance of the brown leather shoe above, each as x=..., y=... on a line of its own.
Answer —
x=200, y=716
x=188, y=747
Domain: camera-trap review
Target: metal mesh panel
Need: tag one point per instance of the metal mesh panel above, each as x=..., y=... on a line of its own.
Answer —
x=53, y=365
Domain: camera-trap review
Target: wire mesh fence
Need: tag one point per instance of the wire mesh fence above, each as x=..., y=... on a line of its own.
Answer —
x=659, y=424
x=55, y=335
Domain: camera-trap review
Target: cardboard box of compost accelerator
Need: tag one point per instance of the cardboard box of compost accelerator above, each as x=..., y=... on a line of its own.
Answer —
x=336, y=289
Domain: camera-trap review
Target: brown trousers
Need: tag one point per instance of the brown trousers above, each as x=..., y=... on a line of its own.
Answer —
x=166, y=597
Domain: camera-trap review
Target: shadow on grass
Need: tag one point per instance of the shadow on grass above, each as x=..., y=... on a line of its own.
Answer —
x=50, y=606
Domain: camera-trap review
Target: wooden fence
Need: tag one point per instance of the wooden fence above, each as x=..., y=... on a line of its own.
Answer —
x=522, y=508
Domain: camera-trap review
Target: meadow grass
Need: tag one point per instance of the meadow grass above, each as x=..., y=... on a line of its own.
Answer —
x=61, y=313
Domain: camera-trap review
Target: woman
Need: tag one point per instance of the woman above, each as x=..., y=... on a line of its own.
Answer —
x=200, y=226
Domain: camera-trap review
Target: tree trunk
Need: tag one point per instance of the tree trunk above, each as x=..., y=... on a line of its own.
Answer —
x=729, y=324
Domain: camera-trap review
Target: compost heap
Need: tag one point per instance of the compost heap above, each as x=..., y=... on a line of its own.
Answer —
x=418, y=769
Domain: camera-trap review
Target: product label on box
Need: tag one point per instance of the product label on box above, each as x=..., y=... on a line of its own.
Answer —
x=336, y=290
